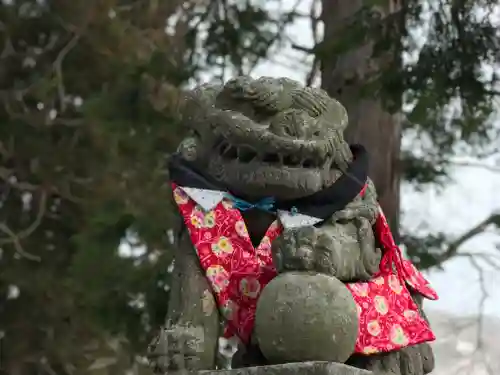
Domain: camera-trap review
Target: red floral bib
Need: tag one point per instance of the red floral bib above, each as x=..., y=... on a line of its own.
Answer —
x=237, y=272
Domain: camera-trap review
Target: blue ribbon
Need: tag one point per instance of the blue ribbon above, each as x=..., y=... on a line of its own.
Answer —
x=265, y=204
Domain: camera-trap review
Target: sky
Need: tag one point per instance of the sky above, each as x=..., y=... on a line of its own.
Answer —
x=470, y=198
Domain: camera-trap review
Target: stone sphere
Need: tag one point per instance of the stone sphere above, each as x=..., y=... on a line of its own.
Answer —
x=306, y=317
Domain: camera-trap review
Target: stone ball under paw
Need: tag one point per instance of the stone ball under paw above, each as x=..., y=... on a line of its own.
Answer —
x=306, y=317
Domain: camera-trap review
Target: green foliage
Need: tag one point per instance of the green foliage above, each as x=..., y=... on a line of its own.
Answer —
x=445, y=86
x=435, y=249
x=425, y=170
x=87, y=108
x=451, y=96
x=424, y=251
x=234, y=35
x=89, y=92
x=448, y=85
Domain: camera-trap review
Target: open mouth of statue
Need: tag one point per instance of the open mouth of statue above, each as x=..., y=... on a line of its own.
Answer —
x=246, y=154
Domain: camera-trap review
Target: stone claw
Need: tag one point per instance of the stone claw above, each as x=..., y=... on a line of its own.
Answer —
x=294, y=250
x=176, y=349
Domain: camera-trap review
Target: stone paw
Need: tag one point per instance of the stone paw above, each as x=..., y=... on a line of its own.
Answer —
x=294, y=250
x=413, y=360
x=175, y=349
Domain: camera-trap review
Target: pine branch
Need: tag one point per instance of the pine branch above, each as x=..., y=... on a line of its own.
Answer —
x=491, y=168
x=58, y=69
x=454, y=246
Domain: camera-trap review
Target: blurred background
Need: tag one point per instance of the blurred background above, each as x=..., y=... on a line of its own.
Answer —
x=88, y=115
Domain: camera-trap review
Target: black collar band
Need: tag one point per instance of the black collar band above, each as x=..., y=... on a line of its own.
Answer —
x=321, y=204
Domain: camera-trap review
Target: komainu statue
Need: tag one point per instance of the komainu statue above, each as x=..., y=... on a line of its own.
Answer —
x=282, y=243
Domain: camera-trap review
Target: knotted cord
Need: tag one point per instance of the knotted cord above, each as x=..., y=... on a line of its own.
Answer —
x=265, y=204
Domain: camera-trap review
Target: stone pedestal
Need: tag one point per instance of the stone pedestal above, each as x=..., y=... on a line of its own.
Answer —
x=301, y=368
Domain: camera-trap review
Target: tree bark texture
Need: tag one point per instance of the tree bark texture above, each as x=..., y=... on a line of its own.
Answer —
x=343, y=76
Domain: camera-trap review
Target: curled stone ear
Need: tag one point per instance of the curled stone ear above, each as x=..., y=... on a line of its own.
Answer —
x=195, y=103
x=188, y=148
x=339, y=115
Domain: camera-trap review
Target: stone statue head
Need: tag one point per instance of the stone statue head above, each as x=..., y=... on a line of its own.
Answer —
x=266, y=136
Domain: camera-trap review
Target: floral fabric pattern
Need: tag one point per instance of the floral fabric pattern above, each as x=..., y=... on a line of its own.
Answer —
x=237, y=273
x=388, y=317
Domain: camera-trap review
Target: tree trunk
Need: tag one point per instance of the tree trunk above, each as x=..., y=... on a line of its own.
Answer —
x=343, y=77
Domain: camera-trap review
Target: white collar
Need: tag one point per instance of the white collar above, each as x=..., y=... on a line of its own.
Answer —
x=208, y=199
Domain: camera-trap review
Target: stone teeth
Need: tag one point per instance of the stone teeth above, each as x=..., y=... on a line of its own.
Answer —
x=218, y=142
x=224, y=147
x=327, y=165
x=246, y=154
x=232, y=152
